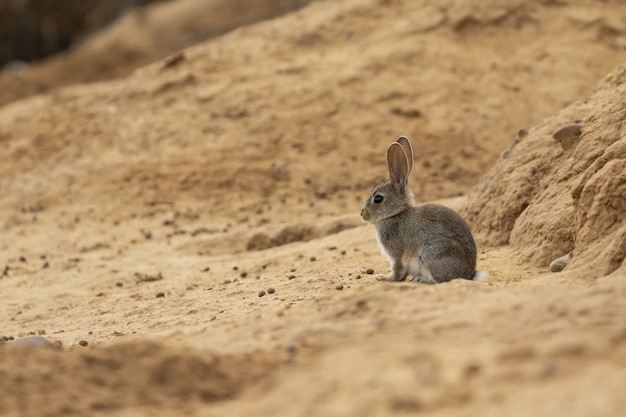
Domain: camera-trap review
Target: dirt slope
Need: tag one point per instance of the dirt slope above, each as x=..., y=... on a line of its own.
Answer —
x=140, y=36
x=562, y=189
x=196, y=224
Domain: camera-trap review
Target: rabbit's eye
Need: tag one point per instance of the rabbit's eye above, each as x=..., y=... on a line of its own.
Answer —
x=378, y=199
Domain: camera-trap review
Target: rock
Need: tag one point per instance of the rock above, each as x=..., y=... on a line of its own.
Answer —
x=568, y=135
x=559, y=263
x=33, y=341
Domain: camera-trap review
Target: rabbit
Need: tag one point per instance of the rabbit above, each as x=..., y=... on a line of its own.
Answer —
x=430, y=242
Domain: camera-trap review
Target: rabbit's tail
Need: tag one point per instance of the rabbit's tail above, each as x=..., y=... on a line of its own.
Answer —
x=479, y=275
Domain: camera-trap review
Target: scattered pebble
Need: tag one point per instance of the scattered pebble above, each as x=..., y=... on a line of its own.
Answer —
x=83, y=343
x=235, y=268
x=358, y=276
x=139, y=277
x=243, y=274
x=312, y=258
x=119, y=284
x=160, y=294
x=206, y=269
x=549, y=370
x=343, y=252
x=559, y=263
x=271, y=290
x=369, y=271
x=292, y=350
x=291, y=276
x=45, y=265
x=22, y=259
x=261, y=293
x=339, y=287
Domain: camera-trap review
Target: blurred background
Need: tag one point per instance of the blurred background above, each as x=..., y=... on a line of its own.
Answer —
x=58, y=36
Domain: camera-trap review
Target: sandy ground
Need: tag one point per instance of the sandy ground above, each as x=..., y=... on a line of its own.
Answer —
x=188, y=237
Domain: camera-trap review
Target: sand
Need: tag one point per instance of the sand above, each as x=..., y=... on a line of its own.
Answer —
x=188, y=239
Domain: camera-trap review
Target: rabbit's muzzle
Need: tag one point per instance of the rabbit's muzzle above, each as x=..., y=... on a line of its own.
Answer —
x=365, y=215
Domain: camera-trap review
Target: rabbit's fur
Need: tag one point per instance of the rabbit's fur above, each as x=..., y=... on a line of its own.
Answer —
x=430, y=242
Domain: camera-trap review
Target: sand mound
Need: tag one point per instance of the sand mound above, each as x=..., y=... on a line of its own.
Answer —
x=120, y=376
x=548, y=197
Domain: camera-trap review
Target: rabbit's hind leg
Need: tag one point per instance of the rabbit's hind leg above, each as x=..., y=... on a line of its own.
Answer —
x=419, y=271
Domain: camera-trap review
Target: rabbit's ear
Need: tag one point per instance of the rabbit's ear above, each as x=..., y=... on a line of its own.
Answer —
x=408, y=150
x=398, y=166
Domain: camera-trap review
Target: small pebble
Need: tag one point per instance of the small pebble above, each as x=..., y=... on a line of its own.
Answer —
x=119, y=284
x=549, y=370
x=369, y=271
x=243, y=274
x=22, y=259
x=292, y=350
x=160, y=294
x=45, y=265
x=291, y=276
x=339, y=287
x=261, y=293
x=83, y=343
x=235, y=268
x=358, y=276
x=271, y=290
x=206, y=269
x=559, y=263
x=312, y=258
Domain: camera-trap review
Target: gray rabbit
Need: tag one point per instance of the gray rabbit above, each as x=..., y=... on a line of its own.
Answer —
x=430, y=242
